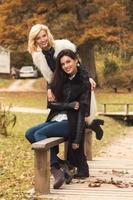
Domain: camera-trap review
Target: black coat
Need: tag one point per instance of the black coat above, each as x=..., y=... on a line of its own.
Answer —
x=77, y=89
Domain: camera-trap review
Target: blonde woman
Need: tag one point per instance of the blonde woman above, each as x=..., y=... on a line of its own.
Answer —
x=44, y=50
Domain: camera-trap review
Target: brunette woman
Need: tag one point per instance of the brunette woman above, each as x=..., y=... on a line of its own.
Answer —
x=72, y=91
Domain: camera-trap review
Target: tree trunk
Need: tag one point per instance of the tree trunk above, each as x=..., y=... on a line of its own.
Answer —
x=86, y=53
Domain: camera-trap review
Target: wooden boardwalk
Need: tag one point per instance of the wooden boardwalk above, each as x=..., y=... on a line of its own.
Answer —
x=118, y=115
x=105, y=172
x=125, y=114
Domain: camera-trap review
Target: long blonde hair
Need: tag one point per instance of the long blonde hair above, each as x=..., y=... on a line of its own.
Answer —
x=32, y=46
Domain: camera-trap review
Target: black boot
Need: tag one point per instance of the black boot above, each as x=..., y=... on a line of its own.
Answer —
x=82, y=172
x=99, y=121
x=95, y=126
x=58, y=175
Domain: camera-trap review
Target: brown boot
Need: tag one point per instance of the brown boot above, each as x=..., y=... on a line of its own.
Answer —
x=68, y=170
x=59, y=177
x=67, y=173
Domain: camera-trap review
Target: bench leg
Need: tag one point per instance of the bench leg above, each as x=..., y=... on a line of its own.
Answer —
x=88, y=144
x=42, y=171
x=65, y=149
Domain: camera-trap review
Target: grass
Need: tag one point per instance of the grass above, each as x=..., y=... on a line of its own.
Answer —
x=4, y=83
x=24, y=99
x=38, y=99
x=40, y=84
x=16, y=159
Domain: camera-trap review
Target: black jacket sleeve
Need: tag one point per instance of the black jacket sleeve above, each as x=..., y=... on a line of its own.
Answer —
x=84, y=104
x=80, y=124
x=61, y=106
x=48, y=86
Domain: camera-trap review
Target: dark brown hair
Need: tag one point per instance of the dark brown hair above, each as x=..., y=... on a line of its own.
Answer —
x=60, y=76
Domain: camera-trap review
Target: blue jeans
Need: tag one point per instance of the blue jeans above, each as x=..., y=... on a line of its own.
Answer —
x=47, y=130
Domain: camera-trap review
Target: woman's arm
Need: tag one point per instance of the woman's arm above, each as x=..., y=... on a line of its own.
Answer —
x=63, y=106
x=51, y=96
x=86, y=77
x=93, y=83
x=80, y=124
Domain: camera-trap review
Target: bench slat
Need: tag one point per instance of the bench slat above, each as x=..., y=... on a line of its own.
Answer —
x=47, y=143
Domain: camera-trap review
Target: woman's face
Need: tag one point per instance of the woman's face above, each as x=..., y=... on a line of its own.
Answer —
x=42, y=40
x=68, y=65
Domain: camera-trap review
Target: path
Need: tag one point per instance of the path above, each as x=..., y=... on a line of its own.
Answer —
x=20, y=85
x=26, y=109
x=120, y=149
x=111, y=175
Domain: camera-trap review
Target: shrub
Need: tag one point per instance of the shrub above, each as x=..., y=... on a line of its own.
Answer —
x=123, y=79
x=7, y=119
x=110, y=67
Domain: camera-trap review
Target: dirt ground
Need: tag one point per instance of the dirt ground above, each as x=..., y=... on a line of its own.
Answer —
x=122, y=148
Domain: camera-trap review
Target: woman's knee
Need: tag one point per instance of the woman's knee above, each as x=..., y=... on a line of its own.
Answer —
x=29, y=136
x=39, y=135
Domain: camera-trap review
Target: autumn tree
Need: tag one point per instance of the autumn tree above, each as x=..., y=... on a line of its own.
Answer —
x=88, y=23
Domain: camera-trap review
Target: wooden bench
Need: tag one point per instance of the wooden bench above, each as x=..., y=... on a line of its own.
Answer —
x=42, y=159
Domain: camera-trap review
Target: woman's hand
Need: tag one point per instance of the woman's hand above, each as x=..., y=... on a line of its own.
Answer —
x=74, y=105
x=93, y=83
x=75, y=146
x=51, y=96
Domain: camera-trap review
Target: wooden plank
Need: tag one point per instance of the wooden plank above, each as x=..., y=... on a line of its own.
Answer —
x=82, y=191
x=122, y=114
x=117, y=103
x=111, y=164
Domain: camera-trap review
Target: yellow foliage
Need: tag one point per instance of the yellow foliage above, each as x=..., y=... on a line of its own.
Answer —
x=97, y=20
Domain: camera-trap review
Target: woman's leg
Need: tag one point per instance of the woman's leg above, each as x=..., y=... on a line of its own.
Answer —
x=78, y=159
x=95, y=126
x=31, y=131
x=53, y=129
x=82, y=166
